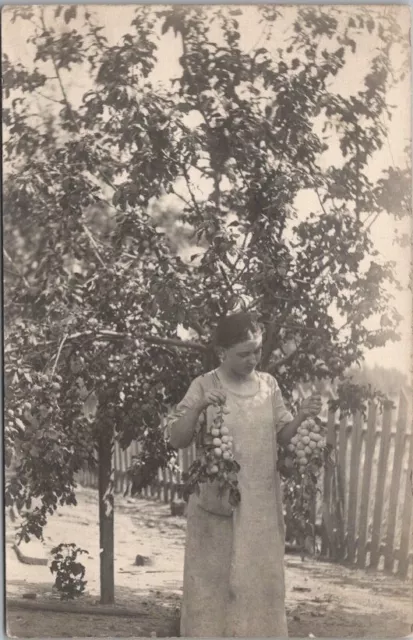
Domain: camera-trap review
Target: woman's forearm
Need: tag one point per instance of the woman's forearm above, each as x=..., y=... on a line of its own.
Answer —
x=182, y=430
x=290, y=429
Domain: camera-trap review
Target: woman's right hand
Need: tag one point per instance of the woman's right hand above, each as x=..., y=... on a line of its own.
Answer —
x=216, y=397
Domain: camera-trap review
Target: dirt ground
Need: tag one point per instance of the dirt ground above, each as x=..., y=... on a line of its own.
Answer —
x=323, y=599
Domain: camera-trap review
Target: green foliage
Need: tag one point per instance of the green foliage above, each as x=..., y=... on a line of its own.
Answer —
x=97, y=287
x=70, y=573
x=300, y=487
x=299, y=497
x=353, y=397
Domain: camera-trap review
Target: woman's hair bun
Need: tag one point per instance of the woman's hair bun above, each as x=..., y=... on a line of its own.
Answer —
x=236, y=328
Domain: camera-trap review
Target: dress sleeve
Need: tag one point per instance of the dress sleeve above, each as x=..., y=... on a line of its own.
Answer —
x=192, y=397
x=281, y=414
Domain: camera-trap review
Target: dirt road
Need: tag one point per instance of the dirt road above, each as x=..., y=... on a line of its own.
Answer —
x=324, y=600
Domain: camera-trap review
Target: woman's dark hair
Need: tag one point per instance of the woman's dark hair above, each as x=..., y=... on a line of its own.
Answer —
x=236, y=328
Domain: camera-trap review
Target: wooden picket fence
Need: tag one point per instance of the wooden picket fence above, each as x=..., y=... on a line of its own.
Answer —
x=366, y=502
x=368, y=493
x=168, y=485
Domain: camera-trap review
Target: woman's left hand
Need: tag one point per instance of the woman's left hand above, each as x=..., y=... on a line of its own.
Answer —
x=311, y=406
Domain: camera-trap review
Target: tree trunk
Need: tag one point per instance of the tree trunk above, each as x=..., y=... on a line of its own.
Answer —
x=106, y=517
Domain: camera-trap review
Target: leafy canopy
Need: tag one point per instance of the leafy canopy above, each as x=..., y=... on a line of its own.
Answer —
x=135, y=209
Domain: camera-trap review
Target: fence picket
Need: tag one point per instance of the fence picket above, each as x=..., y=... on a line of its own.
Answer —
x=185, y=460
x=353, y=485
x=381, y=479
x=128, y=462
x=328, y=535
x=406, y=535
x=125, y=458
x=365, y=491
x=159, y=484
x=173, y=486
x=395, y=482
x=192, y=455
x=340, y=537
x=342, y=453
x=116, y=464
x=166, y=485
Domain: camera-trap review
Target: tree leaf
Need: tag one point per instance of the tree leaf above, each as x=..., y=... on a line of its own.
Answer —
x=70, y=14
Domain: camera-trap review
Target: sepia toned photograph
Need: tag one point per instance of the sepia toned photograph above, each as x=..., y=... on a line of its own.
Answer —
x=207, y=321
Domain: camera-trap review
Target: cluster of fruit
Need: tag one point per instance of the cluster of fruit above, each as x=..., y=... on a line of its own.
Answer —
x=216, y=463
x=220, y=445
x=308, y=443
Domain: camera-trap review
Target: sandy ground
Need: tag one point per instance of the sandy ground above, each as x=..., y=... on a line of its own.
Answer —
x=323, y=599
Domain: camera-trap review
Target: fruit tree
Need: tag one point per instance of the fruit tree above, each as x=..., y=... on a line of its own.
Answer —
x=103, y=298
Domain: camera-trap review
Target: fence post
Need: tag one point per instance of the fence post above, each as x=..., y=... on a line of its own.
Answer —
x=328, y=534
x=381, y=479
x=166, y=485
x=116, y=466
x=106, y=507
x=125, y=460
x=340, y=479
x=119, y=468
x=395, y=482
x=159, y=485
x=353, y=485
x=340, y=536
x=342, y=451
x=365, y=491
x=405, y=540
x=185, y=460
x=173, y=486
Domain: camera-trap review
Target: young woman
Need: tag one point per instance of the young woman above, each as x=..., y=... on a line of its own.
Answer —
x=234, y=557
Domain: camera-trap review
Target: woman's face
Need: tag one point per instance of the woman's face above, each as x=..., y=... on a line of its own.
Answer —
x=244, y=357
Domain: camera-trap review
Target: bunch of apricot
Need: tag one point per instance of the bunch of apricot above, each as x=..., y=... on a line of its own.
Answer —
x=308, y=443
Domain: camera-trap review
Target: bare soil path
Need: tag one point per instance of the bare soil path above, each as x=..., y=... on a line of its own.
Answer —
x=325, y=600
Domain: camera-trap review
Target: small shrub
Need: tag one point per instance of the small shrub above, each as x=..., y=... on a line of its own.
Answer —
x=70, y=573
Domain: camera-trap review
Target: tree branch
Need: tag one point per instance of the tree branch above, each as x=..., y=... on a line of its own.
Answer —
x=94, y=245
x=106, y=335
x=178, y=195
x=15, y=270
x=372, y=221
x=48, y=97
x=268, y=346
x=227, y=282
x=216, y=175
x=62, y=344
x=191, y=193
x=67, y=102
x=320, y=201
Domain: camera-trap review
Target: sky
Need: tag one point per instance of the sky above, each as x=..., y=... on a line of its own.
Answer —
x=116, y=20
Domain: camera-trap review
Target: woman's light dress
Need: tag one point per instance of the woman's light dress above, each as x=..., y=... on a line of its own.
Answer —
x=234, y=566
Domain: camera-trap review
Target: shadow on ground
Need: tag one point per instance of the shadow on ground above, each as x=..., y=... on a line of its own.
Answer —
x=153, y=612
x=159, y=613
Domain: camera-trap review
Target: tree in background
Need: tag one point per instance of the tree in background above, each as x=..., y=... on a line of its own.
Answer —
x=389, y=379
x=100, y=287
